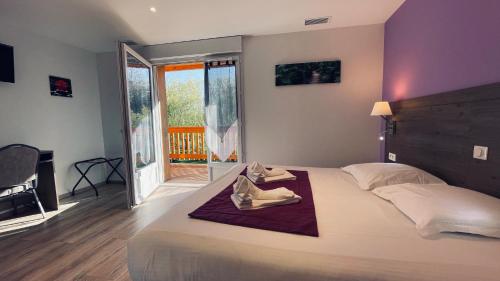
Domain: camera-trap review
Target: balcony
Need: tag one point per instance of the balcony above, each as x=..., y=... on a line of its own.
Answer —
x=188, y=144
x=188, y=154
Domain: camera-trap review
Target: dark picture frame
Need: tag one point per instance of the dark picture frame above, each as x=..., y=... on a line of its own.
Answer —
x=7, y=72
x=308, y=73
x=60, y=87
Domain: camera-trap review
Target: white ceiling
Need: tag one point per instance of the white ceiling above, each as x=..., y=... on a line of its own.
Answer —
x=97, y=24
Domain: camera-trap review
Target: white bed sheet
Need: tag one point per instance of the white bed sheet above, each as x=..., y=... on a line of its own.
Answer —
x=361, y=237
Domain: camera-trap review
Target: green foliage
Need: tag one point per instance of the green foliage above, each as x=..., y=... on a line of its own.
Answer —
x=139, y=94
x=137, y=117
x=185, y=103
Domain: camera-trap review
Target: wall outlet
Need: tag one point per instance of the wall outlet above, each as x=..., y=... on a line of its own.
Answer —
x=480, y=152
x=392, y=156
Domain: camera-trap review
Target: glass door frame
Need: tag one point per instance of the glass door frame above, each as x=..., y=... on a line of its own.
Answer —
x=239, y=106
x=239, y=102
x=131, y=170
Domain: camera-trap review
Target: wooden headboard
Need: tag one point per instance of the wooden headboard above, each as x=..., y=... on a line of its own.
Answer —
x=437, y=133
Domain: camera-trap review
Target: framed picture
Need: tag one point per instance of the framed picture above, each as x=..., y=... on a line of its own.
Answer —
x=60, y=87
x=308, y=73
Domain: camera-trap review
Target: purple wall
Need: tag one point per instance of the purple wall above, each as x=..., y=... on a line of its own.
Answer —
x=434, y=46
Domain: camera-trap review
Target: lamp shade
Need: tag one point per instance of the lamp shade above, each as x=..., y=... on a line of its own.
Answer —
x=381, y=108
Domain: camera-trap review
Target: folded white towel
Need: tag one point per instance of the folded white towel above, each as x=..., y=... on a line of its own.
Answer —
x=257, y=173
x=286, y=176
x=258, y=170
x=248, y=196
x=248, y=191
x=259, y=204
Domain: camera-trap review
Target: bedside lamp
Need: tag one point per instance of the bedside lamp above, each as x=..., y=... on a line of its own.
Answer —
x=383, y=109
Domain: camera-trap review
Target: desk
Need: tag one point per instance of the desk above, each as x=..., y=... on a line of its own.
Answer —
x=46, y=189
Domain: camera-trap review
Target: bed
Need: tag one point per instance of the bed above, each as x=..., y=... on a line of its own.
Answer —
x=361, y=237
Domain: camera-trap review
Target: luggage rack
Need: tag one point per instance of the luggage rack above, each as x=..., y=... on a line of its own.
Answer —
x=93, y=162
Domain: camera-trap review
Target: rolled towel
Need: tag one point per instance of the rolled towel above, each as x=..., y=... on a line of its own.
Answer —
x=247, y=191
x=258, y=170
x=247, y=196
x=285, y=177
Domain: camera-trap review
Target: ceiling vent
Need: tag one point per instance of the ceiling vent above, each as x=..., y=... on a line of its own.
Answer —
x=320, y=20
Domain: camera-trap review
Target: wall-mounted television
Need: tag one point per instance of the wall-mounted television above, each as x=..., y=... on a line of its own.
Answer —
x=6, y=63
x=308, y=73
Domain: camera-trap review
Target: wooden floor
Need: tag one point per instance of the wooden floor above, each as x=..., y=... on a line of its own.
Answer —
x=189, y=172
x=86, y=241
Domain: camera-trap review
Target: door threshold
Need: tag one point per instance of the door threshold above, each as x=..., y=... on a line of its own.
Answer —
x=193, y=184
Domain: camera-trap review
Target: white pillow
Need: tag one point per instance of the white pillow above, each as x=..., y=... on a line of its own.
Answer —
x=439, y=208
x=373, y=175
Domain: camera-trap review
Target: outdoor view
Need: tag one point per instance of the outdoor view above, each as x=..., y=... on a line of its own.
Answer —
x=185, y=98
x=197, y=120
x=185, y=106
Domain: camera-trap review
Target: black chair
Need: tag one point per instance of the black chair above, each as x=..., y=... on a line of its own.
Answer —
x=19, y=172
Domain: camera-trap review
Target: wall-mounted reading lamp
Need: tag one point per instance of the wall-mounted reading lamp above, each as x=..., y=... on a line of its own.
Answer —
x=383, y=109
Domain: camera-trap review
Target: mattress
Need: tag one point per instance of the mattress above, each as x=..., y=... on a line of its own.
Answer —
x=361, y=237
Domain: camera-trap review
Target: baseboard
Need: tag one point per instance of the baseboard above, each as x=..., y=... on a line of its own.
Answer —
x=6, y=209
x=115, y=182
x=87, y=188
x=80, y=190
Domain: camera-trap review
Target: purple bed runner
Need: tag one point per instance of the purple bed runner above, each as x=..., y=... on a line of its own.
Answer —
x=299, y=218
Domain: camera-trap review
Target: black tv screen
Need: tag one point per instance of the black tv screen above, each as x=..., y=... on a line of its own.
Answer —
x=308, y=73
x=6, y=63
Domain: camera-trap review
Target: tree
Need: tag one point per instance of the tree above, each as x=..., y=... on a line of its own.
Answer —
x=185, y=103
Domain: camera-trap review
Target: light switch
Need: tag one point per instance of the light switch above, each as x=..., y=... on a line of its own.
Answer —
x=480, y=152
x=392, y=156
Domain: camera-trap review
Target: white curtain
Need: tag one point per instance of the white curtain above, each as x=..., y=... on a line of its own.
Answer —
x=142, y=140
x=221, y=110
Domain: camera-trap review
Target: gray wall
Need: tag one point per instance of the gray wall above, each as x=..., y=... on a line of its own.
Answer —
x=310, y=125
x=29, y=114
x=107, y=69
x=324, y=125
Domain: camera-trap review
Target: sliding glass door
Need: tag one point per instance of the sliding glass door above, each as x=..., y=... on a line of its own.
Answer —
x=140, y=113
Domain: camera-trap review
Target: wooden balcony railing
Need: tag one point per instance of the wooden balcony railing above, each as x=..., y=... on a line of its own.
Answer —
x=188, y=143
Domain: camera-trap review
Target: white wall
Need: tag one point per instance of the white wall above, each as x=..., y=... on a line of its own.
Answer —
x=29, y=114
x=309, y=125
x=109, y=88
x=324, y=125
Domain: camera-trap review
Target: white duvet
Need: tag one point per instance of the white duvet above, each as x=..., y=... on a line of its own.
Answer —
x=362, y=237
